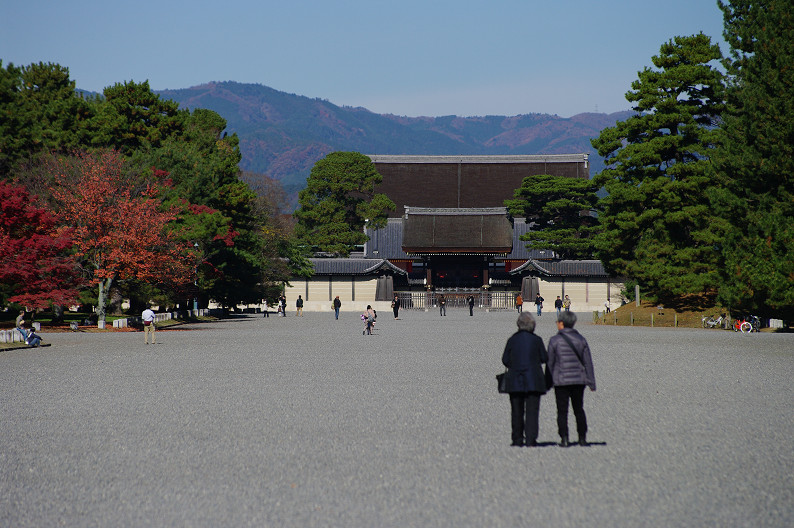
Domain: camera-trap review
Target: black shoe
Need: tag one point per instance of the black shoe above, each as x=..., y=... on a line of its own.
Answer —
x=517, y=444
x=564, y=441
x=532, y=443
x=582, y=441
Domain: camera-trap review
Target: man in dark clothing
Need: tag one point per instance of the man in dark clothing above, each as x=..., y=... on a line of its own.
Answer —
x=558, y=305
x=299, y=306
x=442, y=305
x=539, y=303
x=395, y=305
x=337, y=306
x=470, y=300
x=571, y=369
x=523, y=356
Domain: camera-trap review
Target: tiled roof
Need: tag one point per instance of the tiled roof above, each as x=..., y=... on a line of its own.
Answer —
x=386, y=243
x=530, y=158
x=453, y=230
x=563, y=268
x=520, y=251
x=353, y=266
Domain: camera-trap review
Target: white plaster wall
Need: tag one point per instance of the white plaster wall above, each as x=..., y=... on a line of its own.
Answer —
x=586, y=295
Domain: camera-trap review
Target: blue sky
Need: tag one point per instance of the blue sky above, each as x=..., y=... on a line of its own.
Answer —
x=403, y=57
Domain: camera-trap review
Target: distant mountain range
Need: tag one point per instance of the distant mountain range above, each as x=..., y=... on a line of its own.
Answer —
x=282, y=135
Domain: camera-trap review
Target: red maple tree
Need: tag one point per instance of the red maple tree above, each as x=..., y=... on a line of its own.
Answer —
x=120, y=231
x=36, y=267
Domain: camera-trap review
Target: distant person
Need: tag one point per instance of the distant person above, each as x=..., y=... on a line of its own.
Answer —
x=523, y=356
x=395, y=306
x=558, y=305
x=566, y=303
x=519, y=303
x=369, y=320
x=20, y=319
x=337, y=305
x=282, y=300
x=539, y=303
x=299, y=306
x=266, y=312
x=442, y=305
x=22, y=330
x=571, y=369
x=147, y=316
x=33, y=339
x=470, y=300
x=607, y=306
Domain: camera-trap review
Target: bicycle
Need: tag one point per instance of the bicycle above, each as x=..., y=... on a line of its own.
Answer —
x=710, y=322
x=742, y=325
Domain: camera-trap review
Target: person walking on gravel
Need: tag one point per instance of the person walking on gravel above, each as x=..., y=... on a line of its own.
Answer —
x=539, y=304
x=571, y=369
x=147, y=316
x=299, y=307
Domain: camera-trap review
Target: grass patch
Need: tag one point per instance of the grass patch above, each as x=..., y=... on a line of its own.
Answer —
x=649, y=314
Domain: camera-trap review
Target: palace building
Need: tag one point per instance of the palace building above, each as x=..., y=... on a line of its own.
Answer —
x=451, y=234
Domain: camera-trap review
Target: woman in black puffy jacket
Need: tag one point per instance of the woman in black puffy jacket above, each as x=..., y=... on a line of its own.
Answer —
x=571, y=368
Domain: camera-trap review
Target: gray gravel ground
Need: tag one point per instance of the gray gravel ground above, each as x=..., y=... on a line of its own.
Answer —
x=305, y=422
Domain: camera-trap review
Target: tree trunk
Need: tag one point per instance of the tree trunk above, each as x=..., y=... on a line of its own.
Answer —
x=57, y=313
x=102, y=300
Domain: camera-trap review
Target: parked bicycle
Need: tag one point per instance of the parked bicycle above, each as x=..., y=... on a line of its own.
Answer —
x=710, y=322
x=748, y=324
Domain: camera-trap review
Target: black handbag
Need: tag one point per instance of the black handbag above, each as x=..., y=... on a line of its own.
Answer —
x=548, y=378
x=501, y=380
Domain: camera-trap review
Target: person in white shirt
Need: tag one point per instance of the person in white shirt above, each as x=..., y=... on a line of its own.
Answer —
x=148, y=325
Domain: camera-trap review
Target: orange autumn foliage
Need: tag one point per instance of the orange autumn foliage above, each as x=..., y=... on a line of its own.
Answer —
x=119, y=231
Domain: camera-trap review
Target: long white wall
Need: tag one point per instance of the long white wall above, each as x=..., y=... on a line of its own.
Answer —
x=356, y=293
x=586, y=295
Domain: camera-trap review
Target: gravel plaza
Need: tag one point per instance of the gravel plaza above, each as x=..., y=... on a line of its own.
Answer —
x=254, y=421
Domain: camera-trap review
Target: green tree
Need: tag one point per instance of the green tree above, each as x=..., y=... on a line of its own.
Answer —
x=339, y=197
x=657, y=225
x=220, y=210
x=757, y=159
x=39, y=112
x=561, y=209
x=131, y=116
x=15, y=126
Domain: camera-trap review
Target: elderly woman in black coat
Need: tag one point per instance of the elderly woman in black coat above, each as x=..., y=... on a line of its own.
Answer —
x=523, y=356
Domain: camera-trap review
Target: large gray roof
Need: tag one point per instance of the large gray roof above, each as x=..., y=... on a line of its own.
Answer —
x=353, y=266
x=386, y=243
x=563, y=268
x=484, y=230
x=520, y=250
x=527, y=158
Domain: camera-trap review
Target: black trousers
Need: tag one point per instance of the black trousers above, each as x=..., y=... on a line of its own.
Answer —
x=524, y=408
x=574, y=393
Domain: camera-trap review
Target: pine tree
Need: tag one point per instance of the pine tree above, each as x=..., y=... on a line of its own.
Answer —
x=657, y=226
x=560, y=209
x=339, y=197
x=757, y=159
